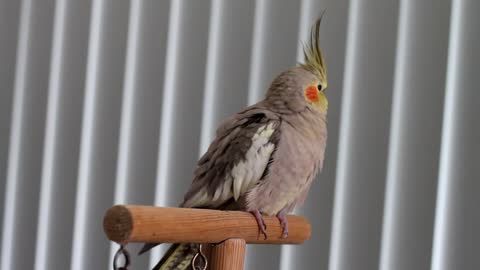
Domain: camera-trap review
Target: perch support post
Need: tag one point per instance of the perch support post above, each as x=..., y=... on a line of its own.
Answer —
x=229, y=254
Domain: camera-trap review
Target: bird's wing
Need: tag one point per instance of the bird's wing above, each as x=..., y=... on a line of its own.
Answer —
x=236, y=160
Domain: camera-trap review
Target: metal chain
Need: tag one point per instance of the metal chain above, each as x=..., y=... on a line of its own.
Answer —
x=198, y=259
x=126, y=259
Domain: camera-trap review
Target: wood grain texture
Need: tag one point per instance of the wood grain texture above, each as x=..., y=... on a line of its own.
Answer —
x=135, y=223
x=229, y=254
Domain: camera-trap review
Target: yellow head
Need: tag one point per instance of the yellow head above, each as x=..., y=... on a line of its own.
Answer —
x=314, y=63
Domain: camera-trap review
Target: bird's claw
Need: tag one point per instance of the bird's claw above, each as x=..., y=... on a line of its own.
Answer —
x=284, y=223
x=261, y=222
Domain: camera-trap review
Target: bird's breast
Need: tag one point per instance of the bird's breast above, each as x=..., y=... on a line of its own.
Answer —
x=298, y=157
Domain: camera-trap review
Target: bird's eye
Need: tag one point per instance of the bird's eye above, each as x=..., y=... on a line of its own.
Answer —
x=319, y=87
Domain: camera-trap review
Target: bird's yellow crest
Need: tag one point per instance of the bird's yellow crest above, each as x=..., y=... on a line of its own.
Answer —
x=314, y=61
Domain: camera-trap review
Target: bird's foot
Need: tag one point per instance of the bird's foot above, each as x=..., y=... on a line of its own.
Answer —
x=261, y=223
x=282, y=217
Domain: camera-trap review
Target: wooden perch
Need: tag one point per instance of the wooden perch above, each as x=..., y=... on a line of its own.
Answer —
x=134, y=223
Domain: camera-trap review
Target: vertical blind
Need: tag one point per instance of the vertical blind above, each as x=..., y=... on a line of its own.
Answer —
x=107, y=102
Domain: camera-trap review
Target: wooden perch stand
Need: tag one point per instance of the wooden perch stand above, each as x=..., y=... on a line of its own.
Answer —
x=229, y=230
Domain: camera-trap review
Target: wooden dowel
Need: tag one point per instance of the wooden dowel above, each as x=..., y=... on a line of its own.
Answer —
x=229, y=254
x=134, y=223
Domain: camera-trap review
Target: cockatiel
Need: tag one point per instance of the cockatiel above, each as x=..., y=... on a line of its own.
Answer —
x=264, y=158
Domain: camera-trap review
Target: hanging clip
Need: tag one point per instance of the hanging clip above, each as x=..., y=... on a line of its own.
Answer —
x=126, y=259
x=198, y=259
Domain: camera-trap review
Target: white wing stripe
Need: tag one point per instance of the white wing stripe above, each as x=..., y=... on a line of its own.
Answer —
x=248, y=172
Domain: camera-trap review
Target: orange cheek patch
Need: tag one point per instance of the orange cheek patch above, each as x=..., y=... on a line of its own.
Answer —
x=312, y=94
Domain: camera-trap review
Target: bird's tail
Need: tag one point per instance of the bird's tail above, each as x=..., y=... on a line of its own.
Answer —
x=177, y=257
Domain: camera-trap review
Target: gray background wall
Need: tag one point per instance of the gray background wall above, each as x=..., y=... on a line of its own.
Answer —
x=106, y=102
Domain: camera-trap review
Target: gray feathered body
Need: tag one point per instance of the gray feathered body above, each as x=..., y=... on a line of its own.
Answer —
x=266, y=156
x=297, y=159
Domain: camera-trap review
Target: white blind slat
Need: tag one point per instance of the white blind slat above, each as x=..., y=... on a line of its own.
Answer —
x=9, y=24
x=100, y=128
x=141, y=109
x=457, y=239
x=226, y=85
x=415, y=135
x=62, y=135
x=182, y=102
x=363, y=142
x=26, y=135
